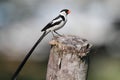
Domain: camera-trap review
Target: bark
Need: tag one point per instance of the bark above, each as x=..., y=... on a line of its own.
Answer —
x=68, y=58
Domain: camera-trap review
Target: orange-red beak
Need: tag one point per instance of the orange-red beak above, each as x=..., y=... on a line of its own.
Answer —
x=69, y=12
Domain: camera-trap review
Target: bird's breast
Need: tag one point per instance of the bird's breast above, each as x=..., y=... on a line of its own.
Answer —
x=56, y=27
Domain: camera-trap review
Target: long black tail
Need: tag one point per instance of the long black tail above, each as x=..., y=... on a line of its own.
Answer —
x=27, y=56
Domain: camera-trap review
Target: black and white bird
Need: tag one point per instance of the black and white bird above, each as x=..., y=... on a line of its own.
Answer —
x=52, y=26
x=57, y=23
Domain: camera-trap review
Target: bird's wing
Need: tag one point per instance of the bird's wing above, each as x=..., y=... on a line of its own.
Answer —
x=57, y=17
x=54, y=22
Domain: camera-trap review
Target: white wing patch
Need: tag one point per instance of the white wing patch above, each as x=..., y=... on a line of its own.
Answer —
x=57, y=20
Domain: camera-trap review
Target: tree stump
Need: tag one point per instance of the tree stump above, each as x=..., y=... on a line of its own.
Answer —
x=68, y=58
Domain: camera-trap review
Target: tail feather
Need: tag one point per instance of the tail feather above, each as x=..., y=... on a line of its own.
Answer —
x=28, y=55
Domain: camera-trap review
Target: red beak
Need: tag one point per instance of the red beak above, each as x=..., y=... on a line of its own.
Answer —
x=69, y=12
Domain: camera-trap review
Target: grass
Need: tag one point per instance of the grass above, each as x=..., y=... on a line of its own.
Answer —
x=101, y=68
x=31, y=71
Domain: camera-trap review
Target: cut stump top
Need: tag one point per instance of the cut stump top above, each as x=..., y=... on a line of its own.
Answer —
x=72, y=44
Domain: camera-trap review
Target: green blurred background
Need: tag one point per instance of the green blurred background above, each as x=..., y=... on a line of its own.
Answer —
x=21, y=22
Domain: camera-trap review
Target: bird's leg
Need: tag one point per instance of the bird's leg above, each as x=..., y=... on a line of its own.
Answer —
x=52, y=33
x=57, y=33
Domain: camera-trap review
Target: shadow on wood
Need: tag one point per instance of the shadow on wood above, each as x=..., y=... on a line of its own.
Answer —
x=68, y=58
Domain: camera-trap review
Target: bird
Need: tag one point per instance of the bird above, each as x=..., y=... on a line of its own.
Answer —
x=57, y=22
x=54, y=25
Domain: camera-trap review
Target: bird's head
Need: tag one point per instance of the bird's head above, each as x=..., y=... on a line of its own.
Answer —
x=64, y=12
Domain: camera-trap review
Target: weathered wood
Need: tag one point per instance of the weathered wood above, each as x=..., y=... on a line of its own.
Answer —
x=68, y=58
